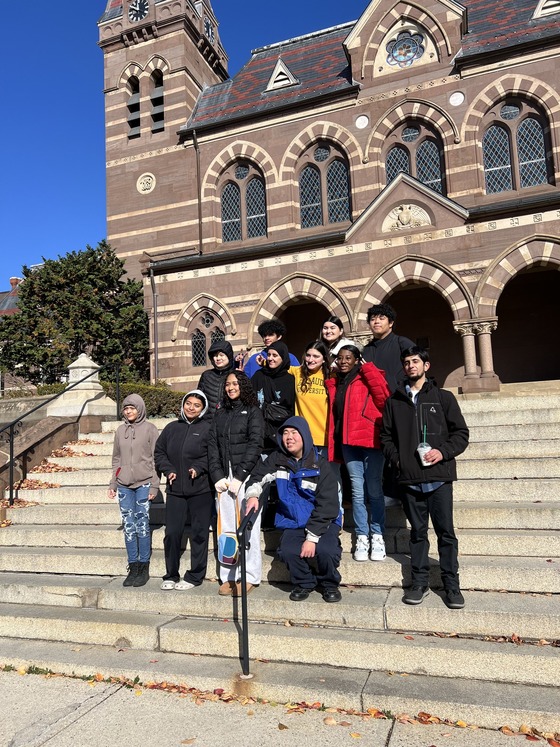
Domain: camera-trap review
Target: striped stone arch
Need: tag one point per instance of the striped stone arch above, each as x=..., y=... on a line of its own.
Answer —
x=418, y=109
x=538, y=250
x=203, y=302
x=407, y=12
x=312, y=134
x=233, y=152
x=133, y=68
x=511, y=84
x=157, y=63
x=298, y=285
x=420, y=271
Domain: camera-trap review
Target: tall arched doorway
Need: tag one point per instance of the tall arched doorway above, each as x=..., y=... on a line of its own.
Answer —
x=425, y=317
x=528, y=319
x=303, y=319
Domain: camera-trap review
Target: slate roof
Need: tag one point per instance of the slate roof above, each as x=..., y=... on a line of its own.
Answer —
x=8, y=301
x=113, y=10
x=318, y=61
x=499, y=24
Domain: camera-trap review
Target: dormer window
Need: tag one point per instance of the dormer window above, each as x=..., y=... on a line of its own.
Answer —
x=281, y=77
x=547, y=8
x=405, y=49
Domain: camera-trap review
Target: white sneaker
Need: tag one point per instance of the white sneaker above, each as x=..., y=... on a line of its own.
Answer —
x=377, y=551
x=184, y=585
x=362, y=547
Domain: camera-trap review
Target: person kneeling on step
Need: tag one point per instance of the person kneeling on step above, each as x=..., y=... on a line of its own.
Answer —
x=308, y=511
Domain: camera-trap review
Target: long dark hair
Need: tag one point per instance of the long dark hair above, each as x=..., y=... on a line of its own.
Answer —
x=247, y=394
x=325, y=366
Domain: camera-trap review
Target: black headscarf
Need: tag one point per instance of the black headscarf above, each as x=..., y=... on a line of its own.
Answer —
x=282, y=349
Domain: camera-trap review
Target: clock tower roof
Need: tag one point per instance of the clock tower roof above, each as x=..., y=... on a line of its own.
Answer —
x=114, y=9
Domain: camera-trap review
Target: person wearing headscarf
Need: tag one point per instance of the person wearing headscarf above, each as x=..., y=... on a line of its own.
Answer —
x=275, y=388
x=135, y=482
x=182, y=456
x=212, y=380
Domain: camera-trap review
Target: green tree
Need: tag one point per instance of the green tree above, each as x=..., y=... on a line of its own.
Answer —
x=79, y=303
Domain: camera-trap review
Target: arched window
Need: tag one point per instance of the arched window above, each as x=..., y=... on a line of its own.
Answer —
x=156, y=100
x=133, y=106
x=324, y=187
x=416, y=149
x=514, y=147
x=243, y=203
x=207, y=330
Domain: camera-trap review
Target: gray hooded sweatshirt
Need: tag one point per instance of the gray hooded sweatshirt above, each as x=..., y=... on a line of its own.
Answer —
x=133, y=450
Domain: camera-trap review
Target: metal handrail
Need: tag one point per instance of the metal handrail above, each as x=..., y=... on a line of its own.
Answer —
x=244, y=543
x=13, y=428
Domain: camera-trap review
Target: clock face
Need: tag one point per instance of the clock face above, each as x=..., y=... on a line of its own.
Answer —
x=138, y=10
x=208, y=29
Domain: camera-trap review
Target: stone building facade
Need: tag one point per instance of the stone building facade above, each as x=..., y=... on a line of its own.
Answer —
x=411, y=156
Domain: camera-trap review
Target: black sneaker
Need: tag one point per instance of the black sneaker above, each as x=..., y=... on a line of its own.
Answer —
x=454, y=599
x=416, y=595
x=299, y=594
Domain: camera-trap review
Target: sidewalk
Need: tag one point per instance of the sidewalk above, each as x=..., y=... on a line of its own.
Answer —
x=62, y=712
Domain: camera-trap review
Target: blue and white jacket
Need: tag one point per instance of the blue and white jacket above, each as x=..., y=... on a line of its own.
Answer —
x=307, y=488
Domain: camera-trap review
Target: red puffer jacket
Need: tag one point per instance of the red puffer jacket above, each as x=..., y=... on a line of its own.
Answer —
x=363, y=408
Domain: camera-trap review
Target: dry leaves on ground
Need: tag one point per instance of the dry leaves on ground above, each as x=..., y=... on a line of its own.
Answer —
x=30, y=484
x=47, y=466
x=65, y=451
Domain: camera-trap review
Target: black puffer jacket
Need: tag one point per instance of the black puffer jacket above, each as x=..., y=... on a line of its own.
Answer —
x=182, y=446
x=236, y=441
x=213, y=379
x=402, y=430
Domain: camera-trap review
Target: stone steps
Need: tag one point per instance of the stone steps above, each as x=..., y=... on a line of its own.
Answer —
x=482, y=515
x=530, y=616
x=335, y=646
x=501, y=542
x=486, y=573
x=488, y=704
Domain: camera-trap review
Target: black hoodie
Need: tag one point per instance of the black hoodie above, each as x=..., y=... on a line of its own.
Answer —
x=213, y=379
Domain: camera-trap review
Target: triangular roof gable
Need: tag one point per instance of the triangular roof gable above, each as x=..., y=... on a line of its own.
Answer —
x=405, y=189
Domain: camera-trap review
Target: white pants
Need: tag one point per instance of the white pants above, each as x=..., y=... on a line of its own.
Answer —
x=226, y=507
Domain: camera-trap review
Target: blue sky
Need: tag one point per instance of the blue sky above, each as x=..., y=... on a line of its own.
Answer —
x=53, y=192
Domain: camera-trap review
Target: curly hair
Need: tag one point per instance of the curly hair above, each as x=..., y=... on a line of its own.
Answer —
x=246, y=392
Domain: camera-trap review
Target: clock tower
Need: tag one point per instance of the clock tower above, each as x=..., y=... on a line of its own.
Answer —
x=159, y=55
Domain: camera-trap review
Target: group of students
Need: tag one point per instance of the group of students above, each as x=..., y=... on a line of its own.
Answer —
x=291, y=425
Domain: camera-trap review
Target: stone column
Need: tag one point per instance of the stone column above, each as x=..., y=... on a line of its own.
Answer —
x=484, y=331
x=466, y=330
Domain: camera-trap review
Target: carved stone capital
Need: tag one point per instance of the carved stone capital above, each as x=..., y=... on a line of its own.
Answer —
x=464, y=328
x=485, y=328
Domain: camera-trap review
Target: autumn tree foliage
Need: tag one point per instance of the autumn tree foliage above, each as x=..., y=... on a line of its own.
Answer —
x=78, y=303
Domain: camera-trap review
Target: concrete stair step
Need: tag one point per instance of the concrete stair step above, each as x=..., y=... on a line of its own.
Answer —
x=110, y=426
x=337, y=647
x=489, y=704
x=529, y=616
x=507, y=449
x=544, y=400
x=83, y=477
x=485, y=573
x=480, y=515
x=530, y=543
x=506, y=489
x=341, y=647
x=500, y=416
x=66, y=494
x=501, y=468
x=515, y=432
x=85, y=462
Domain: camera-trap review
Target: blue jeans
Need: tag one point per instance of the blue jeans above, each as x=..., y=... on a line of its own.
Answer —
x=135, y=512
x=365, y=469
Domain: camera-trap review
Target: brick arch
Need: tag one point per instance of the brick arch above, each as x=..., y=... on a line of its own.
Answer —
x=298, y=285
x=511, y=84
x=538, y=250
x=157, y=63
x=418, y=270
x=240, y=149
x=414, y=14
x=203, y=302
x=133, y=68
x=312, y=134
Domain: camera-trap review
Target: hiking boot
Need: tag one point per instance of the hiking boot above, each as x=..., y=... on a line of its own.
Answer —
x=416, y=595
x=132, y=573
x=377, y=551
x=143, y=574
x=362, y=548
x=454, y=599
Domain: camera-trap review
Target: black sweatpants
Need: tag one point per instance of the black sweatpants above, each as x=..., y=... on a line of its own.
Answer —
x=322, y=570
x=197, y=510
x=438, y=506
